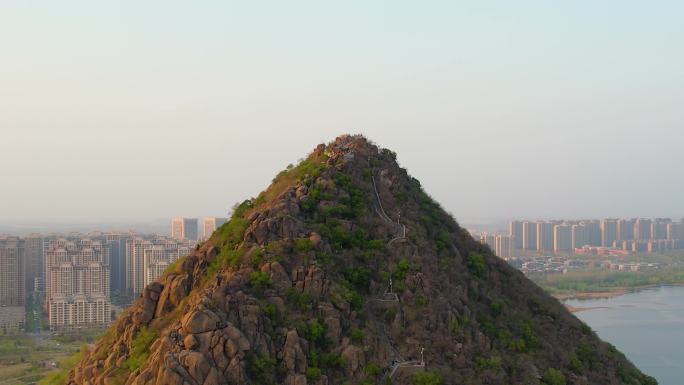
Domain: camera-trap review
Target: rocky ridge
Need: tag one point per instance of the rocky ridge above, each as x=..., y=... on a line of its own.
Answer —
x=345, y=271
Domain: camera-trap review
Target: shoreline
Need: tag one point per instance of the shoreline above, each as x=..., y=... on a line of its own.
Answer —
x=618, y=291
x=611, y=293
x=573, y=309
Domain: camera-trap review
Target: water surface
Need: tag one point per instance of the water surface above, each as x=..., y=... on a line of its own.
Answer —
x=647, y=326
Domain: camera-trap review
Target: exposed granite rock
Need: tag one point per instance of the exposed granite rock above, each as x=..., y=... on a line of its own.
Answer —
x=293, y=354
x=355, y=359
x=173, y=293
x=190, y=342
x=150, y=296
x=278, y=275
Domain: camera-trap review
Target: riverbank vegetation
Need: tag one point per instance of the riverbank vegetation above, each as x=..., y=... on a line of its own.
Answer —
x=605, y=281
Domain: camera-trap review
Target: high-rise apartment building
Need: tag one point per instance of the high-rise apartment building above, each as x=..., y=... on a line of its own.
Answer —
x=659, y=228
x=155, y=262
x=675, y=231
x=489, y=240
x=77, y=286
x=609, y=232
x=12, y=272
x=642, y=229
x=117, y=260
x=625, y=229
x=33, y=252
x=503, y=246
x=135, y=264
x=158, y=258
x=592, y=232
x=578, y=236
x=209, y=225
x=184, y=228
x=529, y=235
x=515, y=231
x=562, y=238
x=544, y=236
x=147, y=258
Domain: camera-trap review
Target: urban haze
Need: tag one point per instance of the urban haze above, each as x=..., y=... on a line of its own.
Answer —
x=502, y=110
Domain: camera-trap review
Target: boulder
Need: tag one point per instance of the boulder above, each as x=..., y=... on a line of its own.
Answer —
x=333, y=329
x=220, y=357
x=190, y=342
x=211, y=253
x=296, y=379
x=355, y=359
x=214, y=378
x=200, y=321
x=237, y=337
x=171, y=372
x=149, y=303
x=236, y=373
x=315, y=282
x=278, y=275
x=278, y=302
x=260, y=231
x=168, y=376
x=196, y=364
x=315, y=239
x=293, y=355
x=144, y=377
x=301, y=192
x=290, y=228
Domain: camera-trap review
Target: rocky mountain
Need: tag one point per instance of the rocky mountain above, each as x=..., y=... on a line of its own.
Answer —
x=344, y=271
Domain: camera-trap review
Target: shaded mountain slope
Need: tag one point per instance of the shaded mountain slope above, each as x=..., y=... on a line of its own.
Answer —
x=344, y=271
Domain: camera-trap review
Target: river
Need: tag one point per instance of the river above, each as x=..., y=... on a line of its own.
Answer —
x=647, y=326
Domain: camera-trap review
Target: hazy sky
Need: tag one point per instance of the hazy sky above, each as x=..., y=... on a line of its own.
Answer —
x=129, y=110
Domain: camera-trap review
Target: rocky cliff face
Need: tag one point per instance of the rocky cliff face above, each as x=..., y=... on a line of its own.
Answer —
x=345, y=272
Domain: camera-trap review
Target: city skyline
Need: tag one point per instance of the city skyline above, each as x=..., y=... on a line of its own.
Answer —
x=77, y=275
x=121, y=264
x=605, y=235
x=162, y=225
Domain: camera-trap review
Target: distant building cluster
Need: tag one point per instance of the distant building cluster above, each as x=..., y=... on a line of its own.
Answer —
x=187, y=228
x=184, y=228
x=147, y=257
x=501, y=245
x=635, y=266
x=547, y=246
x=78, y=274
x=562, y=264
x=546, y=264
x=637, y=235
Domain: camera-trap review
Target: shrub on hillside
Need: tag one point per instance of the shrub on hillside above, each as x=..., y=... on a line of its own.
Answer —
x=553, y=377
x=140, y=349
x=427, y=378
x=477, y=264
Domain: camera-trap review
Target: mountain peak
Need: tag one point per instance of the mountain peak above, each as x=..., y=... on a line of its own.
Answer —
x=345, y=271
